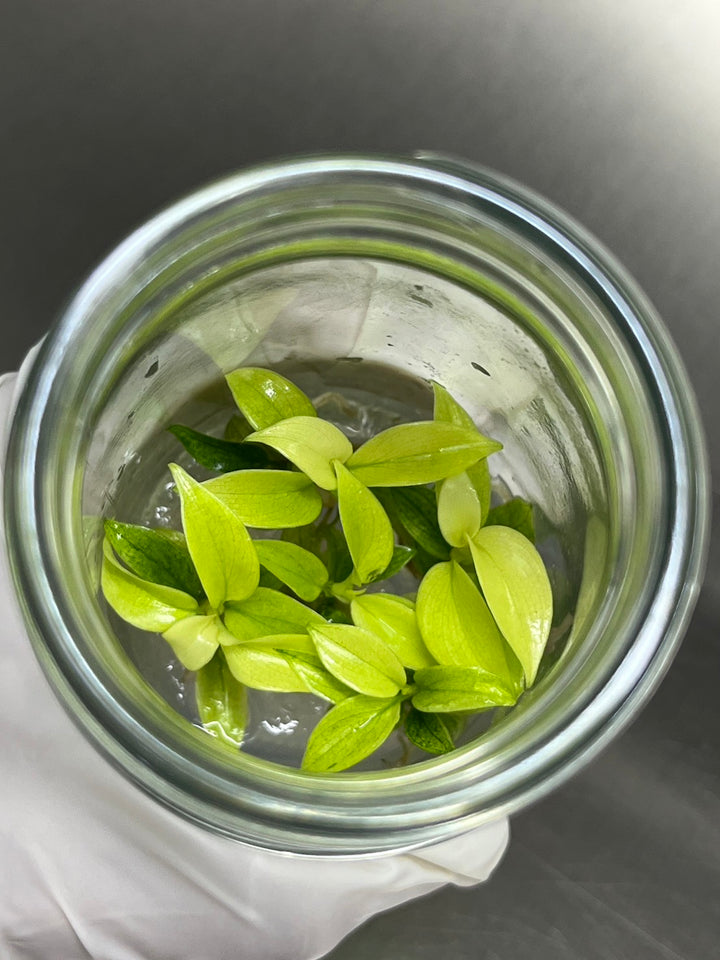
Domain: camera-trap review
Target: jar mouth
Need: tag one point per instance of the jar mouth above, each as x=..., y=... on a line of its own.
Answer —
x=620, y=359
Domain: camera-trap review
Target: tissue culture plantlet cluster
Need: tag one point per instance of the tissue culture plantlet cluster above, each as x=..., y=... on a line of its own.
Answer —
x=301, y=605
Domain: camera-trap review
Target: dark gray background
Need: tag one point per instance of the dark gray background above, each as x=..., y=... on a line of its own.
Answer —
x=112, y=108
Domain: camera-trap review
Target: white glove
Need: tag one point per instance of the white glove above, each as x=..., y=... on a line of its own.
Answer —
x=91, y=867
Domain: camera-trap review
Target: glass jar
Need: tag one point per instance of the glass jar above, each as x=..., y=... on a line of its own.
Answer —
x=369, y=276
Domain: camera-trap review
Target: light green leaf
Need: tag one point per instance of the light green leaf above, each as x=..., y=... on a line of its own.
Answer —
x=450, y=689
x=264, y=668
x=448, y=409
x=401, y=556
x=517, y=589
x=296, y=567
x=318, y=680
x=458, y=508
x=429, y=731
x=268, y=499
x=456, y=624
x=350, y=732
x=516, y=513
x=219, y=544
x=417, y=453
x=366, y=526
x=310, y=443
x=195, y=640
x=160, y=556
x=267, y=613
x=146, y=605
x=221, y=702
x=265, y=397
x=415, y=510
x=393, y=620
x=359, y=659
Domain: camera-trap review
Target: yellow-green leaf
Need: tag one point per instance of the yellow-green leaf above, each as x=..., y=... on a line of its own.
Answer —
x=458, y=508
x=221, y=702
x=265, y=397
x=146, y=605
x=310, y=443
x=456, y=624
x=359, y=659
x=195, y=640
x=220, y=546
x=350, y=732
x=268, y=612
x=446, y=689
x=268, y=499
x=393, y=620
x=416, y=453
x=297, y=568
x=367, y=528
x=517, y=589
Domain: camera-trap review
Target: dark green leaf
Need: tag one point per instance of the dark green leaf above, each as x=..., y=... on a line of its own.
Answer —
x=221, y=702
x=401, y=557
x=415, y=510
x=429, y=731
x=334, y=611
x=160, y=556
x=351, y=731
x=336, y=553
x=221, y=455
x=516, y=513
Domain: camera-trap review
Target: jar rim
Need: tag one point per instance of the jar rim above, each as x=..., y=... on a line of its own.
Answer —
x=324, y=808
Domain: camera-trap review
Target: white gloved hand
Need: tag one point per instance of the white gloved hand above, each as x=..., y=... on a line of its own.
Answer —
x=91, y=867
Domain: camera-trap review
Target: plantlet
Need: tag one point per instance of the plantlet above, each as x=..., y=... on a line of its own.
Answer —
x=299, y=605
